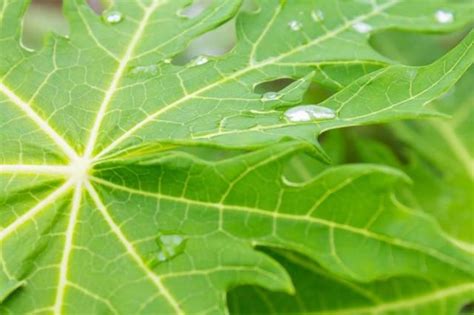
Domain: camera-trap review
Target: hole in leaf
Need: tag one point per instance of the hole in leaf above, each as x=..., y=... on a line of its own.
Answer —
x=272, y=86
x=412, y=48
x=314, y=95
x=42, y=17
x=364, y=144
x=194, y=9
x=214, y=43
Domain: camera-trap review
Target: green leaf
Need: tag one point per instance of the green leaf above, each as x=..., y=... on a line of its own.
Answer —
x=8, y=286
x=102, y=213
x=442, y=157
x=108, y=75
x=114, y=232
x=320, y=292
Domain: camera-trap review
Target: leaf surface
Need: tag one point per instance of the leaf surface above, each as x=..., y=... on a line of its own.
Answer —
x=320, y=292
x=116, y=221
x=100, y=215
x=114, y=78
x=439, y=158
x=445, y=160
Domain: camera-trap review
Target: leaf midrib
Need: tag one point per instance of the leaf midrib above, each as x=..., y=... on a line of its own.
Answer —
x=124, y=61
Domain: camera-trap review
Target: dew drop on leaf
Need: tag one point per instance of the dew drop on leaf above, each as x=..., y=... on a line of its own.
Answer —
x=270, y=96
x=309, y=113
x=112, y=17
x=444, y=17
x=169, y=245
x=362, y=27
x=317, y=15
x=200, y=60
x=295, y=25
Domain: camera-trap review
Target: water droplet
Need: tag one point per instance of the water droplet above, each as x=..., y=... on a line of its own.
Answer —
x=362, y=27
x=444, y=17
x=308, y=113
x=168, y=60
x=270, y=96
x=295, y=25
x=149, y=70
x=317, y=15
x=200, y=60
x=113, y=17
x=169, y=246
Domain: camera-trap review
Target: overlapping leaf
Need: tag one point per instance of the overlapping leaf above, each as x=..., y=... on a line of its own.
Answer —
x=319, y=292
x=453, y=175
x=440, y=161
x=440, y=166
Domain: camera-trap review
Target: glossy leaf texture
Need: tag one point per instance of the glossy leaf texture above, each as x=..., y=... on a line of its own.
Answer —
x=103, y=211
